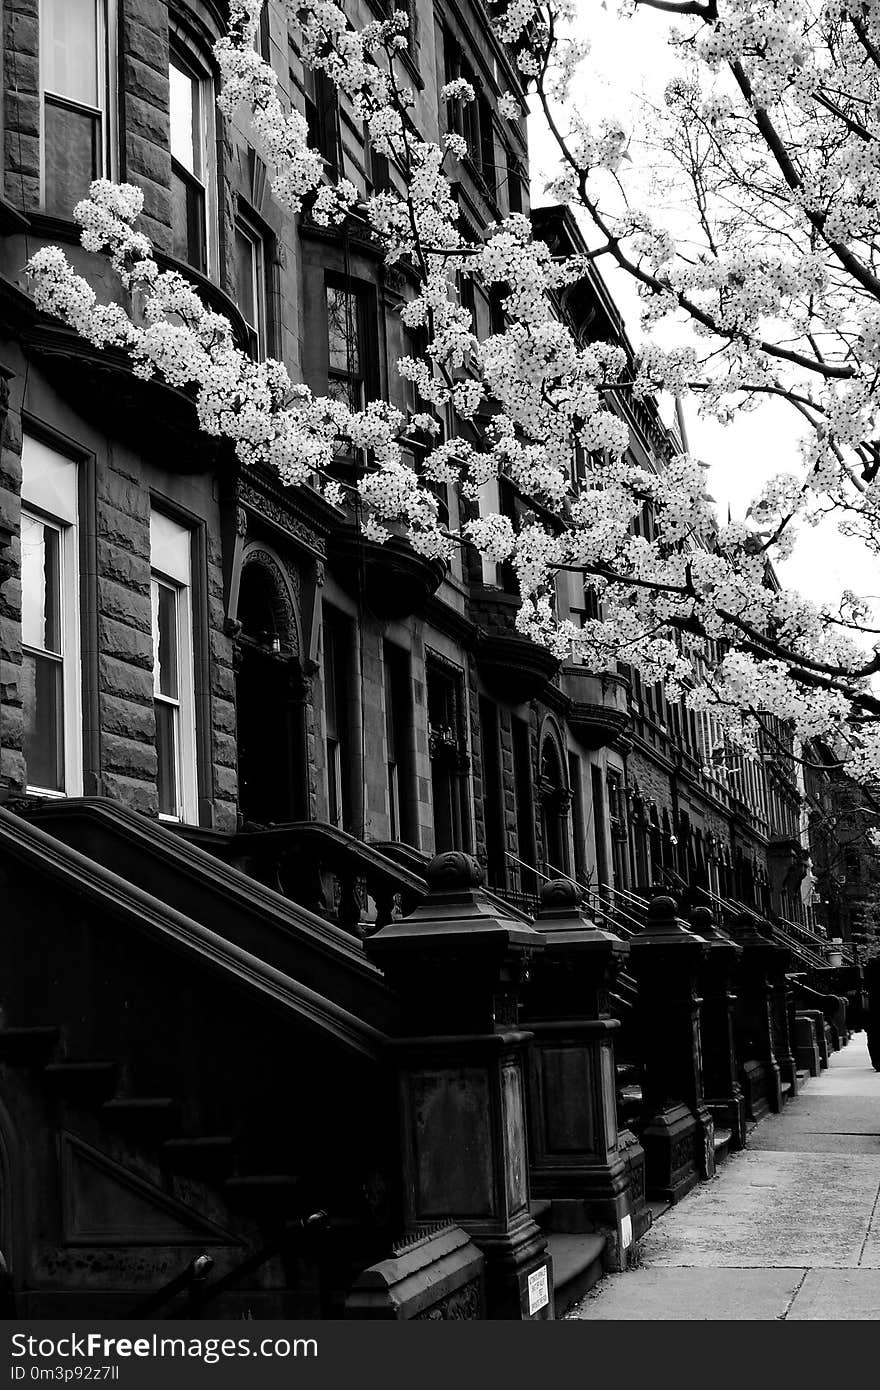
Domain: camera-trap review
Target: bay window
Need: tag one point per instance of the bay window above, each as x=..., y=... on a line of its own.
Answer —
x=173, y=681
x=51, y=677
x=191, y=97
x=77, y=38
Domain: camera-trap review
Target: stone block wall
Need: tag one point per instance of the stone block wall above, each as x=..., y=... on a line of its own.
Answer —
x=145, y=153
x=21, y=102
x=12, y=769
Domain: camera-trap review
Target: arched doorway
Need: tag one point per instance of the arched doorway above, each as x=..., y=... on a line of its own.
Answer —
x=270, y=700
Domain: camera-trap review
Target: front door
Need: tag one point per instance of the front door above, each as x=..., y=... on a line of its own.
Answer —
x=271, y=761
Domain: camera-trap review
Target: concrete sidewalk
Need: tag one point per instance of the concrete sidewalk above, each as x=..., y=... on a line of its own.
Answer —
x=788, y=1229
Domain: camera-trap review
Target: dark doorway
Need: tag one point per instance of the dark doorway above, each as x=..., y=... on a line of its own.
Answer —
x=270, y=708
x=554, y=808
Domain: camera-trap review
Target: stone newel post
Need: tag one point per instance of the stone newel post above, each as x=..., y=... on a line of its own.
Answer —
x=678, y=1137
x=753, y=1017
x=724, y=1098
x=458, y=965
x=575, y=1157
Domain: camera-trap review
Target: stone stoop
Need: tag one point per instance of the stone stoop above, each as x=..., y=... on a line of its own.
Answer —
x=578, y=1259
x=577, y=1267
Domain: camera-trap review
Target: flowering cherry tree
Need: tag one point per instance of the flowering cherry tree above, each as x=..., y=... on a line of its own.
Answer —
x=772, y=121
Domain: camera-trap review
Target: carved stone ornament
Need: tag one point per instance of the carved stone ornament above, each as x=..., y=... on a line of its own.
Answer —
x=273, y=509
x=463, y=1303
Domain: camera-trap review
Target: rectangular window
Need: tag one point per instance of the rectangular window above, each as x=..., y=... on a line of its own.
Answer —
x=250, y=274
x=447, y=746
x=51, y=676
x=515, y=182
x=524, y=781
x=191, y=99
x=378, y=171
x=618, y=827
x=600, y=829
x=486, y=149
x=337, y=662
x=398, y=744
x=322, y=116
x=493, y=796
x=346, y=377
x=76, y=75
x=173, y=677
x=579, y=831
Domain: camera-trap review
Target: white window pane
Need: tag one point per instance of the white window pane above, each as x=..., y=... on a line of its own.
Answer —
x=69, y=42
x=170, y=545
x=245, y=273
x=41, y=585
x=71, y=154
x=43, y=707
x=166, y=749
x=185, y=119
x=48, y=480
x=166, y=677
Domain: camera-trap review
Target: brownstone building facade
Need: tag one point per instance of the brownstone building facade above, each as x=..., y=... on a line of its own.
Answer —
x=185, y=639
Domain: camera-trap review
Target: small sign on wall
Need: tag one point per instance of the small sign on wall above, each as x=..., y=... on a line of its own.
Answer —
x=626, y=1232
x=539, y=1292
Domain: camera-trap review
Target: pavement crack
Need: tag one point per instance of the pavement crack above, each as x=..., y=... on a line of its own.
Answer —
x=800, y=1284
x=870, y=1224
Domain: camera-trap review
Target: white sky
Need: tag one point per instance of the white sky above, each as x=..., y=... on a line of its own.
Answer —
x=629, y=57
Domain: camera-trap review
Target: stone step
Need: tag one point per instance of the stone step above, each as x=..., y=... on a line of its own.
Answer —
x=627, y=1073
x=209, y=1155
x=90, y=1082
x=577, y=1267
x=28, y=1046
x=152, y=1117
x=722, y=1144
x=539, y=1211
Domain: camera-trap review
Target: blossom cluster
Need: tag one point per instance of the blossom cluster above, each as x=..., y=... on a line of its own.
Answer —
x=534, y=404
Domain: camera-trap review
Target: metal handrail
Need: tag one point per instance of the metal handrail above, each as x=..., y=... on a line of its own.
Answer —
x=316, y=1222
x=192, y=1280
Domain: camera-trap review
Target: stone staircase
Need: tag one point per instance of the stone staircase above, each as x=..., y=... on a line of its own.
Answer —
x=162, y=1100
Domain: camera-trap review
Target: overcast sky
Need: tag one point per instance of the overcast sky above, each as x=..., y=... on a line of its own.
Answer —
x=629, y=57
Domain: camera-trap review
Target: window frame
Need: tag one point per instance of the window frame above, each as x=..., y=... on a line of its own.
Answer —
x=259, y=334
x=39, y=504
x=321, y=110
x=184, y=724
x=199, y=72
x=106, y=42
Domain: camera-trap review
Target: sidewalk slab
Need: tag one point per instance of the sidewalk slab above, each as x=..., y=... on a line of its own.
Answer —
x=837, y=1295
x=788, y=1229
x=693, y=1295
x=772, y=1210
